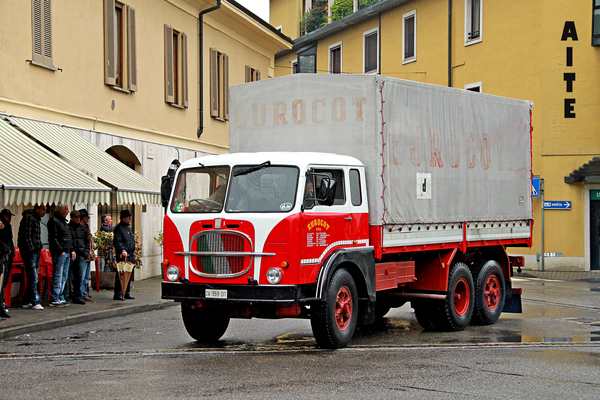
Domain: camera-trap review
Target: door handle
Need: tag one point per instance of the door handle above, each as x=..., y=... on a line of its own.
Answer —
x=348, y=218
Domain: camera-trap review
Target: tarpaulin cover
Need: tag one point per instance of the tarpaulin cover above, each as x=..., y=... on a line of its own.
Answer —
x=433, y=154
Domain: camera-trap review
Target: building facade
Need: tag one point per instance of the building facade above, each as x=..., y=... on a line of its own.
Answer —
x=546, y=52
x=145, y=81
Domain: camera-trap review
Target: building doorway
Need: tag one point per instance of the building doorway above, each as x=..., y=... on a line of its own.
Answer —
x=595, y=229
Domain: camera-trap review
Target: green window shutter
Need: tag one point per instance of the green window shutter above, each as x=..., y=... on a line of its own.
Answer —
x=109, y=43
x=169, y=84
x=131, y=50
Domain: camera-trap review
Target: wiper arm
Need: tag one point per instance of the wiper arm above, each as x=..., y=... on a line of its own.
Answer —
x=214, y=172
x=252, y=169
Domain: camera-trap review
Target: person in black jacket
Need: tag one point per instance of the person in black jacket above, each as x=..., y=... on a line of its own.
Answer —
x=59, y=237
x=124, y=244
x=7, y=253
x=30, y=246
x=80, y=245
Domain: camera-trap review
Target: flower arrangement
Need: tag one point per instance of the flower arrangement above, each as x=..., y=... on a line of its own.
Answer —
x=159, y=238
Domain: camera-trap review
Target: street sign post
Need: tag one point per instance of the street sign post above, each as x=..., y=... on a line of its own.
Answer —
x=557, y=205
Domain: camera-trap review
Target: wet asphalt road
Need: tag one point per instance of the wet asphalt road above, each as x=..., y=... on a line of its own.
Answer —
x=550, y=351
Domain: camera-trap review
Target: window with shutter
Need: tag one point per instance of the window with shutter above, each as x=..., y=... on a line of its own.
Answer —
x=41, y=24
x=176, y=68
x=252, y=75
x=335, y=58
x=120, y=51
x=219, y=85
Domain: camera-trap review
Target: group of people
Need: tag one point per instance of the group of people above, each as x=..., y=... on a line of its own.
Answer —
x=72, y=249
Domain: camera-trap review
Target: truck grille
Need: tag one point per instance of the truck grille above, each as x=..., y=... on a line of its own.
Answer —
x=218, y=242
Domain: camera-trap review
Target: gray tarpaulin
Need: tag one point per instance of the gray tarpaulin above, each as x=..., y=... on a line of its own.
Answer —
x=433, y=154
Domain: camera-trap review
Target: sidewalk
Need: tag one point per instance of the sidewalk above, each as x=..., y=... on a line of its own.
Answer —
x=147, y=298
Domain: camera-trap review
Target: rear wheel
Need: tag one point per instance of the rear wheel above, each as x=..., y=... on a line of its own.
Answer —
x=333, y=321
x=490, y=291
x=207, y=323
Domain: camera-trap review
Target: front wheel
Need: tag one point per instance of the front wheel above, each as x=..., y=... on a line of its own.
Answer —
x=333, y=321
x=207, y=323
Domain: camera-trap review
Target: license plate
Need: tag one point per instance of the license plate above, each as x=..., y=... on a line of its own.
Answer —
x=215, y=294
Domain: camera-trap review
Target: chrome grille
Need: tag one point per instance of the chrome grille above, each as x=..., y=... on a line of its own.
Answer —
x=214, y=242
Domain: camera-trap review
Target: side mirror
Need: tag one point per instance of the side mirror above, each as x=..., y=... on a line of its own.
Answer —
x=326, y=194
x=166, y=186
x=166, y=182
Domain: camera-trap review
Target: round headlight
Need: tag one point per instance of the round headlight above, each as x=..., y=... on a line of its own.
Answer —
x=274, y=275
x=172, y=273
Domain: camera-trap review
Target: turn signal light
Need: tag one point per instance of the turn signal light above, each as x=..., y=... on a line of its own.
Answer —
x=285, y=264
x=166, y=262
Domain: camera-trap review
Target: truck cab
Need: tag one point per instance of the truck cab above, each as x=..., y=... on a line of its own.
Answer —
x=253, y=235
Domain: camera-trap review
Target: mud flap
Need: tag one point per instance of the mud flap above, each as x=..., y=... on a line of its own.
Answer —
x=512, y=303
x=366, y=312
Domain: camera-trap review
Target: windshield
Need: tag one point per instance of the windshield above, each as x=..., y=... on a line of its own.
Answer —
x=200, y=190
x=265, y=189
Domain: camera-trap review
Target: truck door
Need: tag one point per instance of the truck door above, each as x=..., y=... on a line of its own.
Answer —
x=324, y=227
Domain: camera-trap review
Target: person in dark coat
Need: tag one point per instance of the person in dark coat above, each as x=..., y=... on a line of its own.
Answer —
x=30, y=246
x=80, y=245
x=124, y=244
x=59, y=237
x=7, y=253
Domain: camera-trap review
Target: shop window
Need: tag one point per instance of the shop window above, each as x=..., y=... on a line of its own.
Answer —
x=176, y=68
x=120, y=58
x=219, y=85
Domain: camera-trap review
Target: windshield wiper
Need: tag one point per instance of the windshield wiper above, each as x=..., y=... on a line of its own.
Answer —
x=252, y=169
x=214, y=172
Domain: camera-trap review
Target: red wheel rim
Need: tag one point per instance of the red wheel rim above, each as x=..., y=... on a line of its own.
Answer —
x=462, y=296
x=491, y=292
x=343, y=308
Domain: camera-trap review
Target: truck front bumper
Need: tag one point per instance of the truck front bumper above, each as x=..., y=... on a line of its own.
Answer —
x=239, y=293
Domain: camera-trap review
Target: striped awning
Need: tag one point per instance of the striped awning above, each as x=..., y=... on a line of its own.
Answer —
x=131, y=187
x=31, y=174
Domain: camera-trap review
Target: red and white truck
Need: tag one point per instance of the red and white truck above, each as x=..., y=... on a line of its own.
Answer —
x=344, y=196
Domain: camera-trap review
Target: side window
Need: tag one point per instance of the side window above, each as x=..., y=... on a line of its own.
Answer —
x=252, y=75
x=41, y=23
x=120, y=58
x=473, y=10
x=355, y=194
x=338, y=175
x=219, y=85
x=176, y=81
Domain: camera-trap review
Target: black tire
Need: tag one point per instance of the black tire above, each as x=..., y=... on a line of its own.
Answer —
x=454, y=313
x=490, y=292
x=205, y=324
x=427, y=312
x=334, y=320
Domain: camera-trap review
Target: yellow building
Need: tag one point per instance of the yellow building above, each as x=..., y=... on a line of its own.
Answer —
x=546, y=52
x=145, y=81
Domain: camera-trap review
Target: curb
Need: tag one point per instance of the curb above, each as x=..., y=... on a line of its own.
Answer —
x=80, y=319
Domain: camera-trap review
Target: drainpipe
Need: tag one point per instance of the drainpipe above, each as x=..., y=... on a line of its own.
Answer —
x=201, y=66
x=449, y=43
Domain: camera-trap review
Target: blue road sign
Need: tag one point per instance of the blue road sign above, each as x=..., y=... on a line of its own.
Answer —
x=535, y=187
x=557, y=205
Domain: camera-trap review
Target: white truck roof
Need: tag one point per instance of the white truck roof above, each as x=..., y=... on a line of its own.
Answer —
x=301, y=159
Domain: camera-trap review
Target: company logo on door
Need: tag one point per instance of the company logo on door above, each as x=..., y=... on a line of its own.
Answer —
x=319, y=237
x=319, y=223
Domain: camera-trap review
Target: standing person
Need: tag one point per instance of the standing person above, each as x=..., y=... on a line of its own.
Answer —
x=80, y=245
x=30, y=246
x=6, y=239
x=124, y=244
x=89, y=259
x=59, y=237
x=107, y=223
x=106, y=227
